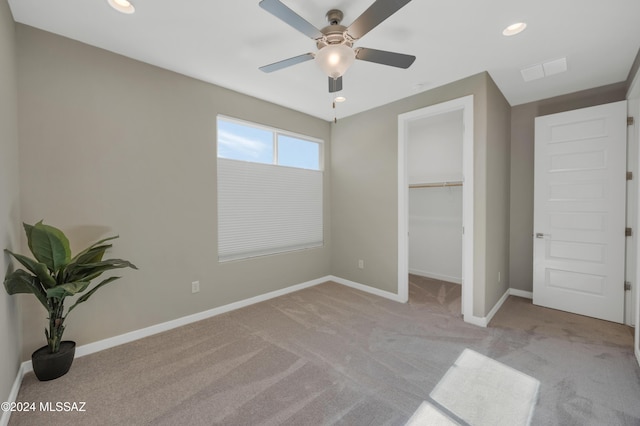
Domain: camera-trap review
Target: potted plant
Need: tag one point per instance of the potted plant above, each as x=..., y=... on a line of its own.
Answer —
x=52, y=277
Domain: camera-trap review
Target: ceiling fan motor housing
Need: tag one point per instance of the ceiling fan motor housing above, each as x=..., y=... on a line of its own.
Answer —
x=334, y=33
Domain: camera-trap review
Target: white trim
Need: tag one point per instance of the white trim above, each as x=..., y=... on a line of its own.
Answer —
x=111, y=342
x=521, y=293
x=275, y=131
x=473, y=320
x=484, y=321
x=13, y=394
x=403, y=212
x=497, y=306
x=269, y=128
x=631, y=244
x=121, y=339
x=634, y=95
x=367, y=289
x=433, y=275
x=466, y=105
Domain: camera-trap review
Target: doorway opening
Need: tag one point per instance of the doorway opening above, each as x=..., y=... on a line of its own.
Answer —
x=448, y=180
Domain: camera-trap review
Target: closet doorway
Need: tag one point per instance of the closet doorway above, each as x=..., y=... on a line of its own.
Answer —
x=435, y=197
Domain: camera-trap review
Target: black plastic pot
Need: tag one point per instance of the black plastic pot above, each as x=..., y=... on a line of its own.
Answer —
x=48, y=366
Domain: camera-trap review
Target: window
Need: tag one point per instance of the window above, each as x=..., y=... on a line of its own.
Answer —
x=269, y=191
x=244, y=141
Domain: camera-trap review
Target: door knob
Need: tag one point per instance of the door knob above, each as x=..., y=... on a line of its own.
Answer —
x=539, y=235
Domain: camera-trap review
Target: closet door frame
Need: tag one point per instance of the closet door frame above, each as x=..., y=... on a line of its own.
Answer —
x=404, y=120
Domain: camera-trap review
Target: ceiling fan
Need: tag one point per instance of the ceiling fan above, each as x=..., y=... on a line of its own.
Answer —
x=335, y=42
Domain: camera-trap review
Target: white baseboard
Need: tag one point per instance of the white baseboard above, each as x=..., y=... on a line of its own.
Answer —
x=473, y=320
x=13, y=395
x=440, y=277
x=179, y=322
x=497, y=306
x=111, y=342
x=367, y=289
x=521, y=293
x=484, y=321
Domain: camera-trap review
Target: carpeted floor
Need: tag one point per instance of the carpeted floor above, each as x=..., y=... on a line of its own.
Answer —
x=333, y=355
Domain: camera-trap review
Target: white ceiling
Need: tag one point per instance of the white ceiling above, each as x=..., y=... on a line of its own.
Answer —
x=224, y=42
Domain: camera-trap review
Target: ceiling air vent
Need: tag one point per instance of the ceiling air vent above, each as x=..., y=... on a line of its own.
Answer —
x=546, y=69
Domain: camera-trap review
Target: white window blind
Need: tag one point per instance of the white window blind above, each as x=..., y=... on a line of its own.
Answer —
x=267, y=209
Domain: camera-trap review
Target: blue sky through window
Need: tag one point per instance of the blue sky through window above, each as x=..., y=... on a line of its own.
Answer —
x=296, y=152
x=238, y=141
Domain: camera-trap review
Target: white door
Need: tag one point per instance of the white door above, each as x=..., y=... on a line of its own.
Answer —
x=579, y=211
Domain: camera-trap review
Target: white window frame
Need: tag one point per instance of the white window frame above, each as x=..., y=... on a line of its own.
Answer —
x=275, y=133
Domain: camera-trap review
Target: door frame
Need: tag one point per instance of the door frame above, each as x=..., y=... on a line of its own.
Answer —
x=633, y=105
x=632, y=244
x=465, y=104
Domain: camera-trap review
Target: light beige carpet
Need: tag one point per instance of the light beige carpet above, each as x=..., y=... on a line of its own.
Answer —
x=333, y=355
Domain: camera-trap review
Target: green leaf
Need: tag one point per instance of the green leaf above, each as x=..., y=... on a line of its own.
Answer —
x=20, y=281
x=73, y=271
x=95, y=269
x=49, y=245
x=92, y=246
x=38, y=269
x=68, y=289
x=27, y=229
x=93, y=255
x=86, y=296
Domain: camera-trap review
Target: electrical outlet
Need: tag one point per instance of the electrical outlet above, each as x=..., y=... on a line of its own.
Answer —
x=360, y=264
x=195, y=286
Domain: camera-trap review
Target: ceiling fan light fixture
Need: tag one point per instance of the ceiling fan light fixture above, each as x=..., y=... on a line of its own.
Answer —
x=122, y=6
x=335, y=59
x=514, y=29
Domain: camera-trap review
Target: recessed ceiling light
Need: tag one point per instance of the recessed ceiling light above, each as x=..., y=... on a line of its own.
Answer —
x=123, y=6
x=514, y=29
x=340, y=99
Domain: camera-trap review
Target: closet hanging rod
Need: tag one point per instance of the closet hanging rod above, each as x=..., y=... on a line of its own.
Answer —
x=435, y=184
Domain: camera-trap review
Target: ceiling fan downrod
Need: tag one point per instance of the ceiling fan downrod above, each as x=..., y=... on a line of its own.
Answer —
x=334, y=16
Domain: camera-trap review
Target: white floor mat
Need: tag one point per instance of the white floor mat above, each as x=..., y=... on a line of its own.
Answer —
x=482, y=391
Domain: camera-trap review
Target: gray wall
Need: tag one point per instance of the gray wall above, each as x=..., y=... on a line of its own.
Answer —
x=498, y=185
x=522, y=150
x=110, y=145
x=9, y=199
x=364, y=170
